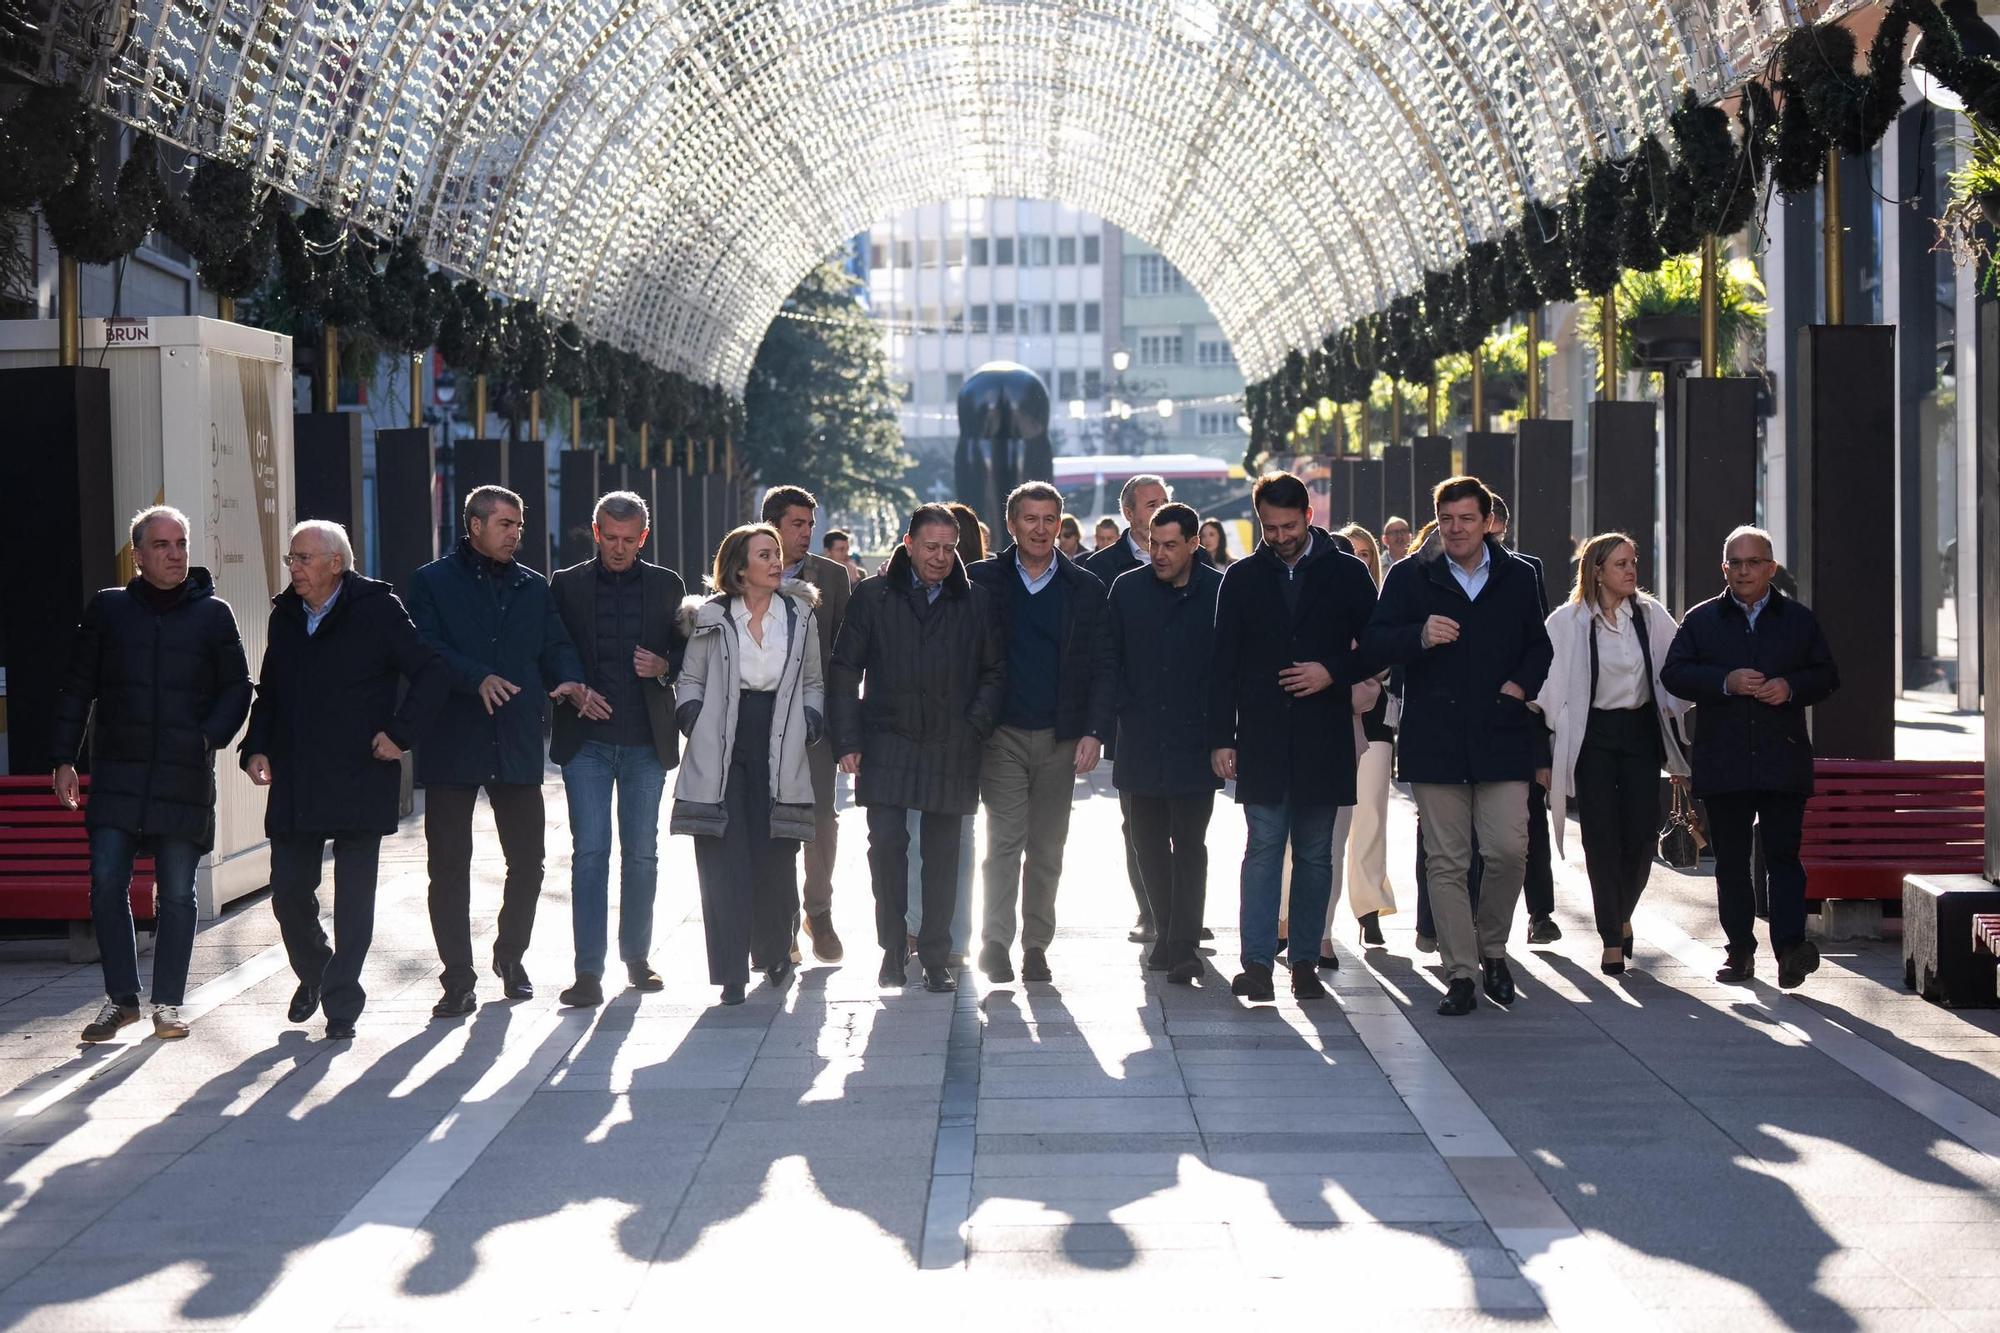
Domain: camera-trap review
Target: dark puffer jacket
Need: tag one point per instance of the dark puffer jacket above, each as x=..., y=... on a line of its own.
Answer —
x=167, y=675
x=936, y=678
x=321, y=698
x=1085, y=672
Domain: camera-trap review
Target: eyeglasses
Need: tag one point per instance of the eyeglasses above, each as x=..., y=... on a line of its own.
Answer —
x=294, y=558
x=1749, y=562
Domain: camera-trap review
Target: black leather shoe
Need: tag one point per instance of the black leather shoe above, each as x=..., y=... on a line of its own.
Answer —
x=1185, y=974
x=1207, y=934
x=1612, y=963
x=1156, y=960
x=587, y=993
x=1800, y=961
x=455, y=1004
x=1330, y=962
x=643, y=977
x=1253, y=983
x=1499, y=980
x=1543, y=930
x=781, y=976
x=1739, y=968
x=1371, y=929
x=939, y=980
x=732, y=992
x=995, y=963
x=1306, y=983
x=1459, y=998
x=339, y=1031
x=514, y=983
x=895, y=971
x=1035, y=966
x=305, y=1001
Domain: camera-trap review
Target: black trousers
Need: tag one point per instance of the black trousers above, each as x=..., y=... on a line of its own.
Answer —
x=295, y=876
x=1779, y=818
x=749, y=880
x=1135, y=865
x=1170, y=836
x=889, y=866
x=1618, y=809
x=1538, y=886
x=519, y=817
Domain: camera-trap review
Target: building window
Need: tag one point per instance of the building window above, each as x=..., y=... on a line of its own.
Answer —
x=979, y=319
x=953, y=382
x=1003, y=319
x=1065, y=250
x=1003, y=250
x=1090, y=249
x=954, y=318
x=905, y=255
x=1215, y=352
x=1042, y=318
x=1159, y=278
x=930, y=253
x=954, y=250
x=878, y=255
x=1162, y=349
x=1037, y=248
x=1091, y=317
x=1066, y=317
x=975, y=252
x=1065, y=385
x=1215, y=423
x=1093, y=384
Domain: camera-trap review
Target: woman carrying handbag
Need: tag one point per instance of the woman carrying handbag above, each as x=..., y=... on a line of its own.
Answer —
x=1615, y=727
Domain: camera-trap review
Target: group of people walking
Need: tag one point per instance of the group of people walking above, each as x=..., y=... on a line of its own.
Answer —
x=1301, y=673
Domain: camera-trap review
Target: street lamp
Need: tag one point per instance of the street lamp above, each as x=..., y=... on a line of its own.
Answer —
x=1121, y=361
x=1166, y=407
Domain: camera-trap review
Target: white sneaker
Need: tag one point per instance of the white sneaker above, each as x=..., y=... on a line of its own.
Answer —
x=168, y=1025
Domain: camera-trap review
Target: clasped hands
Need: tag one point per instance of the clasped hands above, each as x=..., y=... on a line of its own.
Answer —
x=1773, y=690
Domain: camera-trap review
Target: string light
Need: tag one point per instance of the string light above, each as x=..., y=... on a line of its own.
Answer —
x=666, y=172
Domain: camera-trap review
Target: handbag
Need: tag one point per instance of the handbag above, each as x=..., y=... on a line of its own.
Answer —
x=1681, y=840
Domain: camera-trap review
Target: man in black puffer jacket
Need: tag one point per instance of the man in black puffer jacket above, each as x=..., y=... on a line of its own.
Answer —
x=162, y=662
x=1056, y=716
x=327, y=737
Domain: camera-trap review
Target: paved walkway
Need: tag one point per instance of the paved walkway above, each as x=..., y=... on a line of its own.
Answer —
x=1654, y=1150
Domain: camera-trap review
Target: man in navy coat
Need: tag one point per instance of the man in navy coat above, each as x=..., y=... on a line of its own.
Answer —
x=493, y=621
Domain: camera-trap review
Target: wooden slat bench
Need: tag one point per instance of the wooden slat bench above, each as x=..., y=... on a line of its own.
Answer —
x=45, y=864
x=1871, y=822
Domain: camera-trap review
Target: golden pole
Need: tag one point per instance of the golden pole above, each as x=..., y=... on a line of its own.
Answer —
x=225, y=308
x=479, y=407
x=1431, y=406
x=329, y=390
x=416, y=389
x=69, y=312
x=1532, y=409
x=535, y=415
x=1479, y=387
x=611, y=439
x=1836, y=261
x=728, y=456
x=576, y=423
x=711, y=455
x=1710, y=316
x=645, y=444
x=689, y=455
x=1607, y=347
x=1395, y=411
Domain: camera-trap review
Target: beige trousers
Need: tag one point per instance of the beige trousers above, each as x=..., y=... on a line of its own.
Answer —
x=1451, y=811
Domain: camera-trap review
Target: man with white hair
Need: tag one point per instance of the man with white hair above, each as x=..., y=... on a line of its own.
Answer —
x=161, y=664
x=327, y=736
x=1754, y=660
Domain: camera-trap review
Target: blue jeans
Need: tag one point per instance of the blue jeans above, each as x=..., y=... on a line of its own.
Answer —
x=961, y=917
x=588, y=780
x=174, y=860
x=1310, y=829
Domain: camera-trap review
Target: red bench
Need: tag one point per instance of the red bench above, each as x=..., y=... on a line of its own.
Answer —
x=1871, y=822
x=45, y=863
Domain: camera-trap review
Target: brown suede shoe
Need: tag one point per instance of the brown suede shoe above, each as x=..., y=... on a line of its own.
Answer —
x=825, y=940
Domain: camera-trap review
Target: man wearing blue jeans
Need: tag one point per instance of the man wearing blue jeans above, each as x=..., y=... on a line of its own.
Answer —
x=620, y=612
x=1281, y=721
x=162, y=663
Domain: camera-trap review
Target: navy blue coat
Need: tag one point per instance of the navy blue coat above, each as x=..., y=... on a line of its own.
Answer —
x=1741, y=744
x=1163, y=640
x=1084, y=704
x=1457, y=726
x=483, y=625
x=1286, y=748
x=169, y=686
x=321, y=698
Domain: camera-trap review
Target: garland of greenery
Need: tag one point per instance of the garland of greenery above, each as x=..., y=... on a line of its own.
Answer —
x=93, y=227
x=41, y=143
x=215, y=216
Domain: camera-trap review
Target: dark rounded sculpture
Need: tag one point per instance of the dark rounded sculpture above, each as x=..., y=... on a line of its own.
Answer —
x=1003, y=437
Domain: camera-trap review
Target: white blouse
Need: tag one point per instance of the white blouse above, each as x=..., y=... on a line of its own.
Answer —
x=760, y=667
x=1622, y=679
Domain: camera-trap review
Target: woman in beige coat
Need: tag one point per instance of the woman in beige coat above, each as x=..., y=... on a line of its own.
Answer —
x=751, y=699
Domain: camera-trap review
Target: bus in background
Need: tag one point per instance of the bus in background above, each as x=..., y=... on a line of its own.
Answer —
x=1212, y=487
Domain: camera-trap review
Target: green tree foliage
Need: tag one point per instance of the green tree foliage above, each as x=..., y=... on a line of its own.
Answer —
x=821, y=412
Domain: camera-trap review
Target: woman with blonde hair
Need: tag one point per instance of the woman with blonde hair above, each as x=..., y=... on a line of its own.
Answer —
x=751, y=699
x=1614, y=727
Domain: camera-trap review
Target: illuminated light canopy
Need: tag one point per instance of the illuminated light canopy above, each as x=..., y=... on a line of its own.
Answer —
x=666, y=173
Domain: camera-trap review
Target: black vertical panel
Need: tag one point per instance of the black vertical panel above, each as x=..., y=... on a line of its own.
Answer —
x=1397, y=497
x=528, y=477
x=1623, y=440
x=1489, y=456
x=58, y=536
x=1847, y=431
x=1542, y=526
x=697, y=553
x=404, y=503
x=1368, y=493
x=1717, y=455
x=1430, y=463
x=665, y=499
x=326, y=473
x=718, y=517
x=576, y=470
x=1339, y=493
